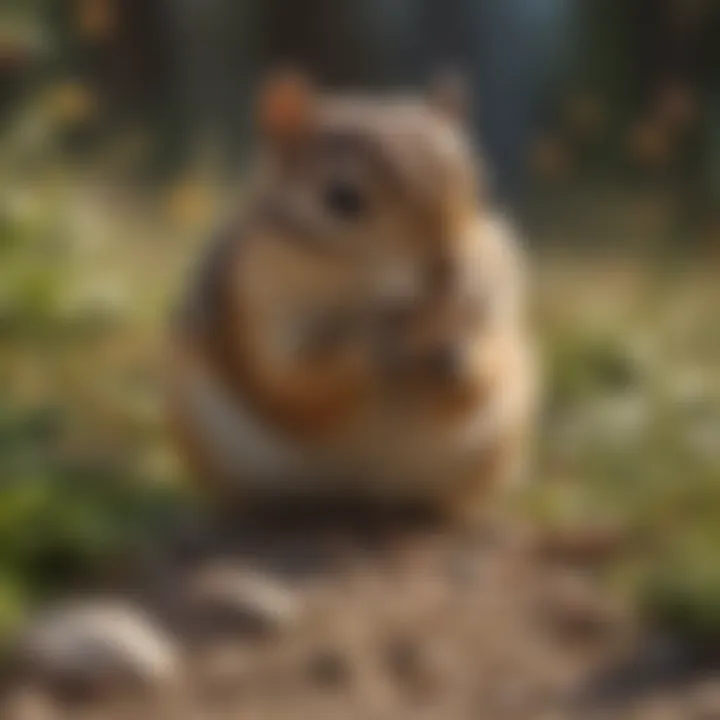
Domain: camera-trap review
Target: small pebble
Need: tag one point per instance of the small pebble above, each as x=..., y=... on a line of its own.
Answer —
x=94, y=646
x=229, y=599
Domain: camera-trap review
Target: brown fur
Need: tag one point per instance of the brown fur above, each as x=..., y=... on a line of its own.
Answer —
x=288, y=261
x=308, y=400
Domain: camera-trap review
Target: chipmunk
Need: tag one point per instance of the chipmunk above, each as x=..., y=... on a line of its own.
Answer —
x=358, y=329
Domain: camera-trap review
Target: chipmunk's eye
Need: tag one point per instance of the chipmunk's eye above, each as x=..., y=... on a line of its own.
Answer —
x=344, y=199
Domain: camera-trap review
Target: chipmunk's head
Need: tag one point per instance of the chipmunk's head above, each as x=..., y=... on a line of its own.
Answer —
x=390, y=183
x=379, y=195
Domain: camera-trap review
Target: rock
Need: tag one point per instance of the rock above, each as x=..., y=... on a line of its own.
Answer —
x=92, y=646
x=231, y=599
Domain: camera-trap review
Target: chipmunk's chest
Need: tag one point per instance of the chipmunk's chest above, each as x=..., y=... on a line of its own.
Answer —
x=380, y=457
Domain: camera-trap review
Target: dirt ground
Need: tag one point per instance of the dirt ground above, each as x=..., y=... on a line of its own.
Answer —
x=395, y=619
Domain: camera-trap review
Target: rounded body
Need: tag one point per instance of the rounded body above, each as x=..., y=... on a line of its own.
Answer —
x=360, y=331
x=417, y=449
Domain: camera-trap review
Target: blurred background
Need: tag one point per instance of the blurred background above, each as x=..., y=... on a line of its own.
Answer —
x=124, y=129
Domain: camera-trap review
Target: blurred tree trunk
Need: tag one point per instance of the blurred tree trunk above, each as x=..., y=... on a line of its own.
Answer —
x=522, y=54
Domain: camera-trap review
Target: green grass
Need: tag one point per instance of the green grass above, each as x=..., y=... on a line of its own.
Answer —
x=86, y=478
x=632, y=428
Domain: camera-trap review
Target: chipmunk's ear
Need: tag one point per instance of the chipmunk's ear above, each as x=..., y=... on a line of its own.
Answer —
x=449, y=94
x=285, y=106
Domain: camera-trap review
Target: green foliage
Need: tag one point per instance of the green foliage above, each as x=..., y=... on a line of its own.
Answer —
x=81, y=489
x=631, y=438
x=587, y=365
x=681, y=591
